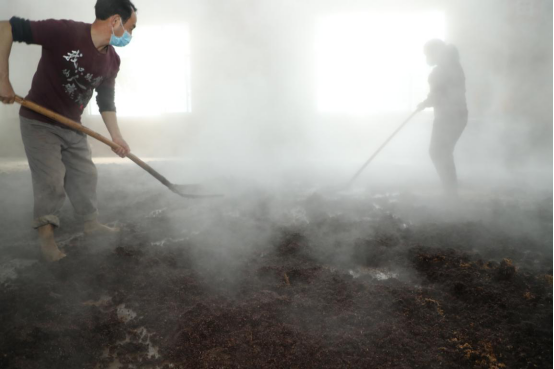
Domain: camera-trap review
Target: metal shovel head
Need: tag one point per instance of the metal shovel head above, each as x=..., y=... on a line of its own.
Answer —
x=192, y=191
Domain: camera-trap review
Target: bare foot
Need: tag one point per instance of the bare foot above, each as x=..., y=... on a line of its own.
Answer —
x=94, y=228
x=48, y=246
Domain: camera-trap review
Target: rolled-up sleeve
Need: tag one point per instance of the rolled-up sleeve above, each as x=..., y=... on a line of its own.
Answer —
x=105, y=98
x=46, y=33
x=21, y=30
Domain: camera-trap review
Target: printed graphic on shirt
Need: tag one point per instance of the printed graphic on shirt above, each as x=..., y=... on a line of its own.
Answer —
x=80, y=84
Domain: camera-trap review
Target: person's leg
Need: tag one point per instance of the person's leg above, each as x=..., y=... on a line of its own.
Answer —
x=43, y=148
x=48, y=245
x=443, y=141
x=80, y=183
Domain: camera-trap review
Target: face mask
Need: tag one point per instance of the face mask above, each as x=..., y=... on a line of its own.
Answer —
x=120, y=41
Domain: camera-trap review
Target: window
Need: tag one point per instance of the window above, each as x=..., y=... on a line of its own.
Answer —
x=154, y=77
x=373, y=62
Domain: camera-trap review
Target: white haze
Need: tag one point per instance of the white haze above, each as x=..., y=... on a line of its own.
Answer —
x=256, y=120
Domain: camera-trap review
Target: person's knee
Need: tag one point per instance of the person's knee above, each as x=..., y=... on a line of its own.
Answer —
x=440, y=153
x=49, y=186
x=84, y=170
x=91, y=170
x=436, y=154
x=93, y=173
x=85, y=177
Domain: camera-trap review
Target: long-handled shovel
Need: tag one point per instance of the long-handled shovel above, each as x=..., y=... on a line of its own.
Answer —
x=381, y=147
x=79, y=127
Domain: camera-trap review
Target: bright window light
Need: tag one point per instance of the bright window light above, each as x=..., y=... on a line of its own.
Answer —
x=373, y=62
x=154, y=77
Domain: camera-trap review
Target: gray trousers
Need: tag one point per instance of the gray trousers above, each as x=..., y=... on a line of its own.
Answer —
x=60, y=162
x=446, y=133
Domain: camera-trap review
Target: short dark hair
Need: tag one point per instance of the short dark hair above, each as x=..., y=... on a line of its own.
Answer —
x=106, y=8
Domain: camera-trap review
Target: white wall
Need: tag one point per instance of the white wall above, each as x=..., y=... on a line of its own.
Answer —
x=253, y=87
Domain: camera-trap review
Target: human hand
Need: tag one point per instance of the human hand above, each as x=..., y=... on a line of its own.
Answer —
x=7, y=94
x=421, y=106
x=124, y=147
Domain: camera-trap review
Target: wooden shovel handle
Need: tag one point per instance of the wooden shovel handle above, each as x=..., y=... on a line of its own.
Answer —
x=79, y=127
x=381, y=147
x=65, y=121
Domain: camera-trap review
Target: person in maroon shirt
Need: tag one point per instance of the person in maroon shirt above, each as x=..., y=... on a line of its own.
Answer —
x=77, y=58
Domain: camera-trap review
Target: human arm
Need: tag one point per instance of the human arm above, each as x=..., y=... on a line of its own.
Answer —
x=436, y=89
x=45, y=33
x=110, y=120
x=423, y=105
x=105, y=99
x=7, y=94
x=429, y=101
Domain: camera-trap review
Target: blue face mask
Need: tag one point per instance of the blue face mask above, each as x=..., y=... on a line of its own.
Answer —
x=121, y=41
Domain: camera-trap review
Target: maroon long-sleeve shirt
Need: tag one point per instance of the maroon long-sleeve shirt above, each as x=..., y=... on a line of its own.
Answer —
x=69, y=69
